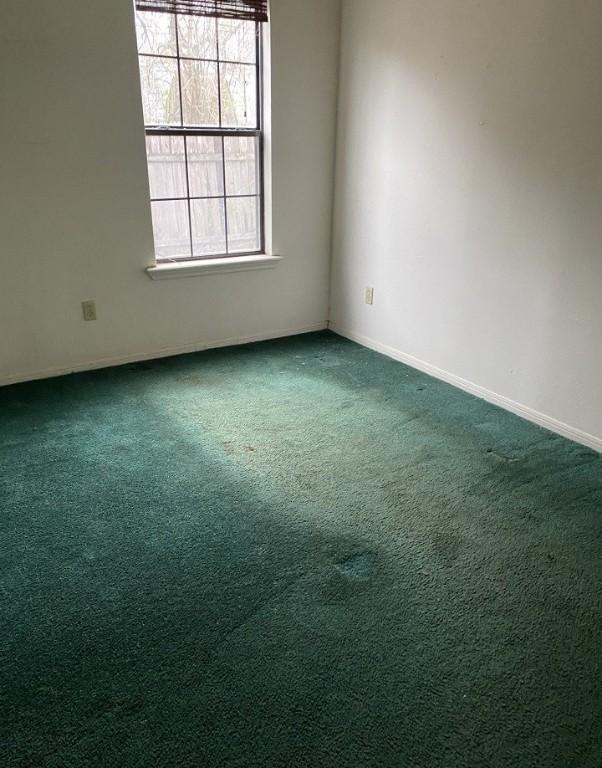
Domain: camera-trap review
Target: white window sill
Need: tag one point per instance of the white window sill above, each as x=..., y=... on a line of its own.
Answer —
x=171, y=269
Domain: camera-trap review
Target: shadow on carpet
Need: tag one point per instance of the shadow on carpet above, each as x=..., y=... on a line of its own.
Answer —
x=293, y=553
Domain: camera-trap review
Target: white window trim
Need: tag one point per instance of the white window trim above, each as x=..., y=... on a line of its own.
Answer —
x=168, y=270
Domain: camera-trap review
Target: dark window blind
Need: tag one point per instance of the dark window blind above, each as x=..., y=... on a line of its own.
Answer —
x=248, y=10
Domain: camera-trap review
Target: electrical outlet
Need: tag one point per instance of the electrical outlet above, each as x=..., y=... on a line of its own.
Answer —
x=89, y=310
x=369, y=296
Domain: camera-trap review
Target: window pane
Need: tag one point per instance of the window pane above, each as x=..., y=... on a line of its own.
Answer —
x=197, y=37
x=241, y=165
x=237, y=40
x=239, y=98
x=199, y=93
x=156, y=33
x=160, y=94
x=205, y=170
x=170, y=229
x=243, y=229
x=166, y=166
x=208, y=227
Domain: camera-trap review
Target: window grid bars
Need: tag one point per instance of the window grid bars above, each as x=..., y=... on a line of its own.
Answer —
x=171, y=57
x=221, y=132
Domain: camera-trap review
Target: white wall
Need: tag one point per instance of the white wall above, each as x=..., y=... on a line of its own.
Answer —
x=74, y=212
x=469, y=194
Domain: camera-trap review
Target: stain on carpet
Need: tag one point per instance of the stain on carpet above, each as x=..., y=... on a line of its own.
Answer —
x=357, y=567
x=295, y=553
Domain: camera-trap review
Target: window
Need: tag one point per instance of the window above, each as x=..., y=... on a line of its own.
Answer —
x=201, y=93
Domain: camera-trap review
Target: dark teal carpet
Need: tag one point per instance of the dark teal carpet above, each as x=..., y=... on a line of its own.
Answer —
x=296, y=553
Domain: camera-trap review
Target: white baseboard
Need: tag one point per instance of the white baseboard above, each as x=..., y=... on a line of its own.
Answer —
x=136, y=357
x=547, y=422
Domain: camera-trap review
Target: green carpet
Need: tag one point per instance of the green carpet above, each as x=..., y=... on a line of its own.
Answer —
x=294, y=553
